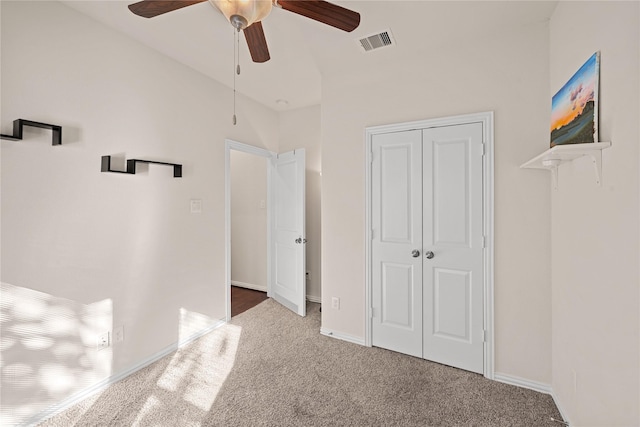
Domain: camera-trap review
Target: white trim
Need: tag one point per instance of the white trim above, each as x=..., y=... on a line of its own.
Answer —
x=430, y=123
x=486, y=118
x=369, y=132
x=532, y=385
x=257, y=151
x=101, y=385
x=522, y=382
x=251, y=286
x=488, y=200
x=341, y=336
x=313, y=298
x=563, y=414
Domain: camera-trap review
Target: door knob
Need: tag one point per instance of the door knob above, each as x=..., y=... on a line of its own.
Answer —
x=429, y=254
x=415, y=253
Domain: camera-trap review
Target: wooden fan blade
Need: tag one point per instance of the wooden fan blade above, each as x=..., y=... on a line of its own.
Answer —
x=257, y=42
x=151, y=8
x=322, y=11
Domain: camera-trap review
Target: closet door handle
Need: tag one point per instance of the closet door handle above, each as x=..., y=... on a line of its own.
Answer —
x=415, y=253
x=429, y=254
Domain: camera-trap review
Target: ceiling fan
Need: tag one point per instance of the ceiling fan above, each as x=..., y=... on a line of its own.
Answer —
x=247, y=15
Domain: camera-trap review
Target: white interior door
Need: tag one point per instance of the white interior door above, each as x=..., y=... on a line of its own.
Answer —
x=427, y=200
x=453, y=241
x=288, y=231
x=397, y=233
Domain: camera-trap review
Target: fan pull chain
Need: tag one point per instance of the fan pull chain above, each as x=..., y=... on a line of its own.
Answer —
x=236, y=63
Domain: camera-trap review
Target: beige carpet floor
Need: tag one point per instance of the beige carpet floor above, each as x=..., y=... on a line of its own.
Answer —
x=270, y=367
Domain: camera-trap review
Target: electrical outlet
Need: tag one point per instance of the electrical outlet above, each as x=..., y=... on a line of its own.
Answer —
x=103, y=341
x=335, y=303
x=118, y=334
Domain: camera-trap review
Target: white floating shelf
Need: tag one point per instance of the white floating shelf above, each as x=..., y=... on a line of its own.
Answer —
x=555, y=156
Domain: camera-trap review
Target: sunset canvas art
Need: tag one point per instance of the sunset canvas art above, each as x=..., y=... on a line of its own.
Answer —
x=574, y=109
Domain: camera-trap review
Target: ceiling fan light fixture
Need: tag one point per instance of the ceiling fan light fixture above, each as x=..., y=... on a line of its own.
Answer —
x=242, y=13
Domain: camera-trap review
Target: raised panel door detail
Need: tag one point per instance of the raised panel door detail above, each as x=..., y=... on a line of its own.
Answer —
x=451, y=192
x=398, y=298
x=451, y=311
x=396, y=223
x=285, y=270
x=286, y=196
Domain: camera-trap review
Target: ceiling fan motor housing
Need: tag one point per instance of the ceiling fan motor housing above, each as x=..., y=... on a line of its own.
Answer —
x=241, y=13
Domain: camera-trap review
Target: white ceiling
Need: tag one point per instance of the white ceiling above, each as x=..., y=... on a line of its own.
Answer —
x=303, y=50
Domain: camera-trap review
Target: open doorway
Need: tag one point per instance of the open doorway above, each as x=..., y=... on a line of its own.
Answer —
x=249, y=225
x=248, y=219
x=284, y=209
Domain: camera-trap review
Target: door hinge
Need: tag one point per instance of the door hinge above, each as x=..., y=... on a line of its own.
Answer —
x=484, y=242
x=371, y=157
x=372, y=313
x=484, y=335
x=373, y=233
x=484, y=149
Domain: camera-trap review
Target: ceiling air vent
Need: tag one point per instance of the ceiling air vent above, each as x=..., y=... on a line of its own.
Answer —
x=377, y=41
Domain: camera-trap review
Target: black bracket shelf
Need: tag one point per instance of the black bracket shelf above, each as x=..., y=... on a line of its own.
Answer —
x=131, y=166
x=20, y=123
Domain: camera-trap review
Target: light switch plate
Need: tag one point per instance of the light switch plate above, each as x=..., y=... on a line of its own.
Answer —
x=196, y=206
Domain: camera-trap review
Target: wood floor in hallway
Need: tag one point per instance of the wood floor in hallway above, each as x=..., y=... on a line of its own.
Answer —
x=243, y=299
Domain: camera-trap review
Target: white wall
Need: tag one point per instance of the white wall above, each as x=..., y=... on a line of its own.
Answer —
x=506, y=73
x=595, y=279
x=300, y=128
x=127, y=243
x=248, y=220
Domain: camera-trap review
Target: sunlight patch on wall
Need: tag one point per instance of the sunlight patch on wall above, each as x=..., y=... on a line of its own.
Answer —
x=48, y=350
x=191, y=324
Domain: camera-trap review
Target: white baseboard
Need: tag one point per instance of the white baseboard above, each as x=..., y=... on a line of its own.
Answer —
x=249, y=286
x=532, y=385
x=313, y=298
x=563, y=414
x=341, y=336
x=89, y=391
x=521, y=382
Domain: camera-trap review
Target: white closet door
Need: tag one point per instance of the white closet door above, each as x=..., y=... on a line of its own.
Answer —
x=397, y=233
x=453, y=277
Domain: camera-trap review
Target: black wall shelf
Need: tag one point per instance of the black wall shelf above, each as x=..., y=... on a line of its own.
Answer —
x=20, y=123
x=131, y=166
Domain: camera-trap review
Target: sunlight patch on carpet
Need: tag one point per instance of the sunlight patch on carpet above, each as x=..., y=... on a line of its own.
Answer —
x=152, y=404
x=195, y=375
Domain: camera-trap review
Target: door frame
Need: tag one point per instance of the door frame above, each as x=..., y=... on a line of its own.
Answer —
x=486, y=118
x=268, y=155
